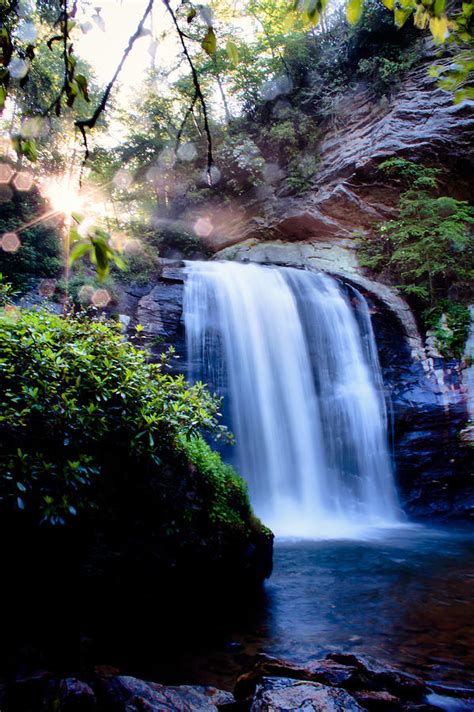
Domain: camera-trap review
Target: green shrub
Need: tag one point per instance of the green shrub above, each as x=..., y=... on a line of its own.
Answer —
x=74, y=396
x=428, y=251
x=450, y=323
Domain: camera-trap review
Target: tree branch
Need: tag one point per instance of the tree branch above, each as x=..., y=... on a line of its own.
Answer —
x=188, y=113
x=83, y=124
x=197, y=87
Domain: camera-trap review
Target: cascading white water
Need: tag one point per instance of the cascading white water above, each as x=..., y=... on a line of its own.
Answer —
x=302, y=381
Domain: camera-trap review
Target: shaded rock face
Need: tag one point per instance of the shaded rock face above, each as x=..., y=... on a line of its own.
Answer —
x=425, y=397
x=426, y=403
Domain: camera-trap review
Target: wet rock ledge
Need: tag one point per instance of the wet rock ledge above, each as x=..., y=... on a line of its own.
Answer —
x=340, y=682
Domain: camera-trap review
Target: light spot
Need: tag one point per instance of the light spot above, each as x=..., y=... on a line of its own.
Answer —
x=101, y=298
x=118, y=241
x=62, y=197
x=154, y=174
x=25, y=8
x=6, y=173
x=5, y=145
x=27, y=32
x=86, y=293
x=203, y=227
x=132, y=246
x=187, y=152
x=275, y=87
x=10, y=242
x=167, y=158
x=86, y=27
x=84, y=227
x=23, y=181
x=35, y=127
x=47, y=287
x=12, y=311
x=122, y=179
x=18, y=68
x=272, y=173
x=206, y=14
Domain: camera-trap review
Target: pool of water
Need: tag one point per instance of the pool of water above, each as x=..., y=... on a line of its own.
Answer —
x=403, y=596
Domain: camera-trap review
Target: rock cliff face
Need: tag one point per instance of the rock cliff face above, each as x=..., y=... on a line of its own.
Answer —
x=420, y=122
x=316, y=230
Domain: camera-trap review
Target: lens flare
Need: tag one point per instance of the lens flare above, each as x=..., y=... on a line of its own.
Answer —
x=61, y=196
x=10, y=242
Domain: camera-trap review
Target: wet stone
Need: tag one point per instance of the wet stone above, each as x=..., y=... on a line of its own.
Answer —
x=287, y=695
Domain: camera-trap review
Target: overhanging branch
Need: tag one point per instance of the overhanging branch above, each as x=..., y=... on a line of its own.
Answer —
x=84, y=124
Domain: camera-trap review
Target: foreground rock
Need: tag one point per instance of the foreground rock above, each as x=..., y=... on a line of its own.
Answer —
x=286, y=694
x=132, y=695
x=339, y=683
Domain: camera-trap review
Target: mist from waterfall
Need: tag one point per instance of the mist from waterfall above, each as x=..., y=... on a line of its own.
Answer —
x=297, y=365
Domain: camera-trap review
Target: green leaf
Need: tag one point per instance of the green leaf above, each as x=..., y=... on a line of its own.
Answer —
x=354, y=11
x=78, y=251
x=439, y=28
x=233, y=52
x=401, y=16
x=119, y=261
x=3, y=96
x=209, y=42
x=28, y=149
x=82, y=84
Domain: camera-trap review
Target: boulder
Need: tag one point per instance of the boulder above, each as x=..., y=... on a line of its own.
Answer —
x=129, y=694
x=353, y=673
x=76, y=696
x=286, y=695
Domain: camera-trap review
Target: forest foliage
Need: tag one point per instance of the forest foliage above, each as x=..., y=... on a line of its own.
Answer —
x=427, y=251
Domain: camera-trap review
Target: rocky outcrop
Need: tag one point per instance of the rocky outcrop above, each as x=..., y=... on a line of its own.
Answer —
x=339, y=259
x=338, y=683
x=341, y=682
x=419, y=122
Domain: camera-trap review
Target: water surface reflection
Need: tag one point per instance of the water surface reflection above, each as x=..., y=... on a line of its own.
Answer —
x=405, y=598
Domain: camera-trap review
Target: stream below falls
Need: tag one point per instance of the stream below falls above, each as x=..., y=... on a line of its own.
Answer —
x=403, y=597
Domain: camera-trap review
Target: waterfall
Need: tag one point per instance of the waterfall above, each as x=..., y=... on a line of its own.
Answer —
x=297, y=366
